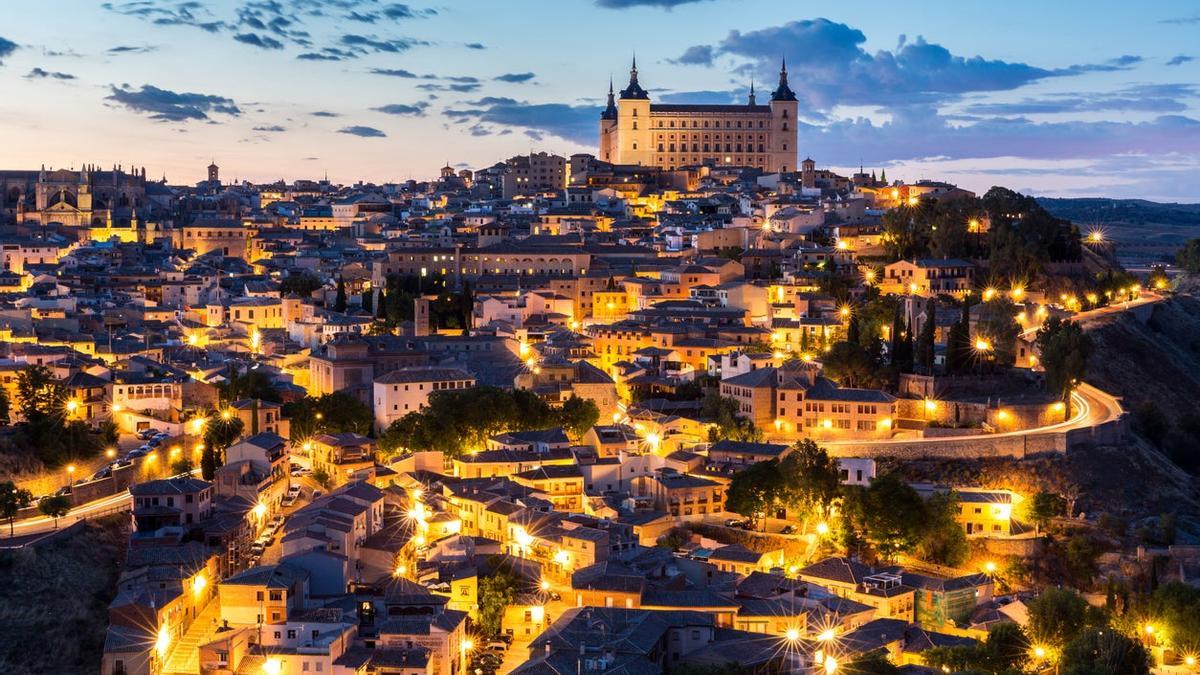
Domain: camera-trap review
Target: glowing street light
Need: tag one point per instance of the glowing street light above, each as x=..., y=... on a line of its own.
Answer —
x=162, y=641
x=792, y=634
x=1095, y=237
x=272, y=666
x=988, y=294
x=990, y=567
x=822, y=528
x=826, y=635
x=70, y=469
x=982, y=345
x=110, y=453
x=831, y=665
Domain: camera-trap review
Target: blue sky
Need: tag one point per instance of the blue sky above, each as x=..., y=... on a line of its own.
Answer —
x=1056, y=98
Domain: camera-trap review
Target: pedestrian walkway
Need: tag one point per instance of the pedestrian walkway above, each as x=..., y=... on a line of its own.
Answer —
x=185, y=654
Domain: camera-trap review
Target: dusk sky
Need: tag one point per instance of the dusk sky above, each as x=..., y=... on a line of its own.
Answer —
x=1067, y=98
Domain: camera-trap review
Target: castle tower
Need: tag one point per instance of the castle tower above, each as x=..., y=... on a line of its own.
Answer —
x=608, y=125
x=808, y=173
x=214, y=173
x=633, y=122
x=783, y=115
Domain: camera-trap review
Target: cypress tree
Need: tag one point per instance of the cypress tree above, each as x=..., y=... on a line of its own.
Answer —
x=853, y=333
x=925, y=354
x=895, y=353
x=339, y=305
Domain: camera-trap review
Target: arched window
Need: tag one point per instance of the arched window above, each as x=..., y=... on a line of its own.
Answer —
x=635, y=125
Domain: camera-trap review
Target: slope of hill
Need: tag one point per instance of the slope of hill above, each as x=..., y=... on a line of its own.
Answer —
x=1146, y=232
x=54, y=599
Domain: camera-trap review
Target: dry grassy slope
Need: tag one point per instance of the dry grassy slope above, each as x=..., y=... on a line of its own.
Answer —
x=54, y=599
x=1158, y=361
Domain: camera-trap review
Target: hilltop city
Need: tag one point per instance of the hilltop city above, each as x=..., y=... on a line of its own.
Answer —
x=690, y=404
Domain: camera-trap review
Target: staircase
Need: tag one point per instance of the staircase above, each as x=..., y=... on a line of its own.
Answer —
x=185, y=653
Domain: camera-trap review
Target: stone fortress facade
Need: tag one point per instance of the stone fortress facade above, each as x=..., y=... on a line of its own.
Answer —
x=668, y=136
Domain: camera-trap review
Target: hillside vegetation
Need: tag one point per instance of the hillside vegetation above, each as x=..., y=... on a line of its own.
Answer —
x=55, y=596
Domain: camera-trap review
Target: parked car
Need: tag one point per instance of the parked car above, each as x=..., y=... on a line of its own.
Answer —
x=788, y=529
x=294, y=491
x=734, y=522
x=146, y=434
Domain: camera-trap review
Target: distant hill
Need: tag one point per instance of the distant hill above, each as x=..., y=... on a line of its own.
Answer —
x=1145, y=232
x=1122, y=211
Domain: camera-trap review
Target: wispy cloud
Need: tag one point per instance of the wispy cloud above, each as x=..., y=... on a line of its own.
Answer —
x=404, y=109
x=42, y=74
x=7, y=47
x=1180, y=60
x=362, y=132
x=132, y=49
x=515, y=78
x=626, y=4
x=170, y=106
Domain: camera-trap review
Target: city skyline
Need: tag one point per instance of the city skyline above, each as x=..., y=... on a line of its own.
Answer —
x=385, y=91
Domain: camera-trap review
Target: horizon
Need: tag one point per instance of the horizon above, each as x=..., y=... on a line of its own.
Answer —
x=384, y=92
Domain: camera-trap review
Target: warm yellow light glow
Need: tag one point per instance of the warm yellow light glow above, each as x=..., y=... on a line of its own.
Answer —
x=826, y=635
x=822, y=528
x=912, y=201
x=419, y=540
x=193, y=339
x=982, y=345
x=1189, y=660
x=988, y=294
x=1018, y=292
x=162, y=642
x=199, y=584
x=260, y=510
x=1095, y=237
x=777, y=336
x=792, y=634
x=537, y=613
x=826, y=424
x=225, y=415
x=70, y=468
x=895, y=193
x=72, y=406
x=467, y=645
x=653, y=440
x=272, y=666
x=401, y=570
x=562, y=557
x=913, y=288
x=869, y=275
x=307, y=447
x=843, y=245
x=110, y=453
x=198, y=425
x=845, y=312
x=151, y=457
x=524, y=539
x=831, y=665
x=545, y=585
x=1039, y=652
x=989, y=567
x=930, y=405
x=1160, y=284
x=1059, y=407
x=885, y=423
x=1002, y=415
x=778, y=354
x=117, y=407
x=1149, y=629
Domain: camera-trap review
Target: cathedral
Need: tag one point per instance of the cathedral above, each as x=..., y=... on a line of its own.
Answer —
x=89, y=197
x=668, y=136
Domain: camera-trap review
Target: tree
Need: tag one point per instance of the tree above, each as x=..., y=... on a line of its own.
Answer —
x=1065, y=349
x=848, y=364
x=1005, y=651
x=12, y=500
x=810, y=480
x=1176, y=606
x=892, y=515
x=5, y=408
x=1057, y=616
x=250, y=384
x=997, y=323
x=183, y=465
x=943, y=540
x=924, y=347
x=577, y=415
x=727, y=421
x=321, y=477
x=1188, y=257
x=1043, y=507
x=54, y=506
x=339, y=304
x=221, y=432
x=496, y=592
x=367, y=301
x=330, y=413
x=1103, y=651
x=302, y=284
x=39, y=394
x=755, y=489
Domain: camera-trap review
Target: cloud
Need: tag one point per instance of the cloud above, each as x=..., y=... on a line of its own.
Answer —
x=515, y=78
x=394, y=72
x=260, y=41
x=185, y=13
x=366, y=44
x=696, y=55
x=40, y=74
x=1183, y=20
x=273, y=128
x=464, y=88
x=1180, y=60
x=324, y=113
x=1158, y=98
x=626, y=4
x=475, y=45
x=1110, y=66
x=362, y=132
x=170, y=106
x=132, y=49
x=394, y=12
x=920, y=132
x=572, y=122
x=7, y=47
x=414, y=109
x=832, y=68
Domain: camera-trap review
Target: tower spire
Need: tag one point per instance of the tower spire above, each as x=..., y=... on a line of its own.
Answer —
x=783, y=92
x=634, y=90
x=751, y=90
